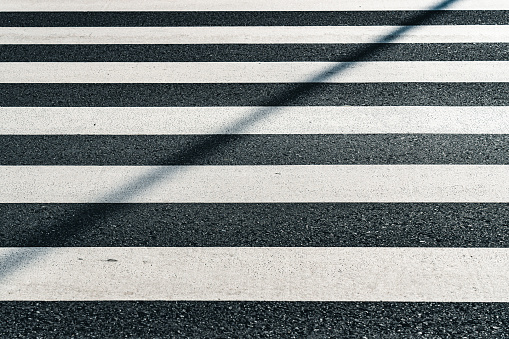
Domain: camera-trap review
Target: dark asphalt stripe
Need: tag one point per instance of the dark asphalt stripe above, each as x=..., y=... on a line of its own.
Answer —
x=266, y=149
x=256, y=52
x=262, y=94
x=253, y=18
x=244, y=319
x=253, y=225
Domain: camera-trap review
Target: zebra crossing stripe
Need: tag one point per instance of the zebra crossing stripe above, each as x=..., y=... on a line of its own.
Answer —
x=250, y=72
x=277, y=120
x=262, y=5
x=254, y=35
x=259, y=274
x=253, y=184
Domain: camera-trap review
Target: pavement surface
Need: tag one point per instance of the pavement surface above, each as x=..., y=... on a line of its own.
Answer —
x=252, y=320
x=434, y=268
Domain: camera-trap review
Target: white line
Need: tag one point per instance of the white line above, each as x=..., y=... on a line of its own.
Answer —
x=262, y=274
x=244, y=5
x=261, y=120
x=254, y=72
x=256, y=34
x=236, y=184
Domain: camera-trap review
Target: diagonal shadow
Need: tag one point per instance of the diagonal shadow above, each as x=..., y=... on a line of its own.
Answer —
x=22, y=257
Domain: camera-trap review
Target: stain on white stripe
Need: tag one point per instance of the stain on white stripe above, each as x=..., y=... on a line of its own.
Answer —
x=254, y=34
x=254, y=72
x=245, y=5
x=273, y=120
x=235, y=184
x=277, y=274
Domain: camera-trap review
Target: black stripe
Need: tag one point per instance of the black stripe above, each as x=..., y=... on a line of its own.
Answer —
x=253, y=18
x=256, y=52
x=266, y=149
x=267, y=225
x=243, y=319
x=261, y=94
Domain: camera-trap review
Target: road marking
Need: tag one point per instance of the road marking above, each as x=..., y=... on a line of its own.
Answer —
x=273, y=120
x=254, y=72
x=255, y=34
x=235, y=184
x=246, y=5
x=257, y=273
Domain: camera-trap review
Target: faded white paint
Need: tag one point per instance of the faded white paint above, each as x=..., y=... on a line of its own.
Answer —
x=256, y=34
x=235, y=184
x=247, y=273
x=254, y=72
x=245, y=5
x=260, y=120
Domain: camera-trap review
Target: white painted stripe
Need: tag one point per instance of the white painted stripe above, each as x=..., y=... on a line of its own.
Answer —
x=263, y=274
x=254, y=72
x=245, y=5
x=235, y=184
x=254, y=120
x=256, y=34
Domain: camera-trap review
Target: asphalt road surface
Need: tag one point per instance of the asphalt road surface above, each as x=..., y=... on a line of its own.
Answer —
x=236, y=169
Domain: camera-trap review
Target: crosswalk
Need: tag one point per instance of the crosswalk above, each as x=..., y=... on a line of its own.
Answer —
x=254, y=168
